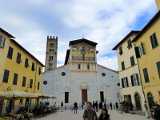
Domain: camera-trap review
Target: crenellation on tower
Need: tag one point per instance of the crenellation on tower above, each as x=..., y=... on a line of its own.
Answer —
x=51, y=52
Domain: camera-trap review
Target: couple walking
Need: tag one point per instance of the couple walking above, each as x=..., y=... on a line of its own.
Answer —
x=90, y=114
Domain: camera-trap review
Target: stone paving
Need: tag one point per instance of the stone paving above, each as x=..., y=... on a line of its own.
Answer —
x=69, y=115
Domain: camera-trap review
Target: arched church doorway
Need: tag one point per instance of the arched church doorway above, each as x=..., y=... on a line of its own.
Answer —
x=137, y=101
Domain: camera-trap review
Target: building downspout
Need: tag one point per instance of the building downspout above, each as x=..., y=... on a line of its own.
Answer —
x=140, y=76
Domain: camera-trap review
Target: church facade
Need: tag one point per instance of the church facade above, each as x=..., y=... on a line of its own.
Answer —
x=81, y=78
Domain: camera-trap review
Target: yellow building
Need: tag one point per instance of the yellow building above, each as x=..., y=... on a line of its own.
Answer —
x=158, y=4
x=147, y=52
x=130, y=81
x=19, y=70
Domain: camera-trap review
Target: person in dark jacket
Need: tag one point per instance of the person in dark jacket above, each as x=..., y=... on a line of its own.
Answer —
x=104, y=115
x=157, y=113
x=89, y=113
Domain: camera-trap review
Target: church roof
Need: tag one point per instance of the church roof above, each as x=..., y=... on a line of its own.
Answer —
x=82, y=40
x=107, y=68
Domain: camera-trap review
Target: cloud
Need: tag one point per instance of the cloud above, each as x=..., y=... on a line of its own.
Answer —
x=104, y=21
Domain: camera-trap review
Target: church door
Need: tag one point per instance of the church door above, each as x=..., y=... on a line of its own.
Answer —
x=84, y=95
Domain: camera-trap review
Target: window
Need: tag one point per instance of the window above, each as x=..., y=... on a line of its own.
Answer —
x=2, y=41
x=39, y=71
x=51, y=44
x=154, y=41
x=15, y=79
x=145, y=73
x=50, y=58
x=124, y=82
x=79, y=66
x=88, y=67
x=102, y=96
x=129, y=44
x=120, y=51
x=158, y=68
x=103, y=74
x=123, y=65
x=63, y=73
x=10, y=53
x=134, y=80
x=18, y=60
x=31, y=83
x=33, y=66
x=38, y=85
x=45, y=82
x=66, y=97
x=132, y=61
x=6, y=76
x=139, y=50
x=51, y=50
x=24, y=82
x=26, y=63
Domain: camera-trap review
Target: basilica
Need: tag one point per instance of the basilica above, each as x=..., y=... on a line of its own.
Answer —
x=80, y=78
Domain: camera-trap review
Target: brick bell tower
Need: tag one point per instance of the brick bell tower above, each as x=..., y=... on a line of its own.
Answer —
x=51, y=53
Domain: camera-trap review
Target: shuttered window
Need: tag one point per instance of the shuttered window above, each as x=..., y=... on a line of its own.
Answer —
x=158, y=68
x=15, y=79
x=154, y=41
x=10, y=53
x=6, y=76
x=145, y=73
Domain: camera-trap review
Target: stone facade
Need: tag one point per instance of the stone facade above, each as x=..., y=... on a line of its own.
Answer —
x=81, y=78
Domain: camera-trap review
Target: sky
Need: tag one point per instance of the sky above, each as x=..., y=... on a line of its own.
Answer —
x=106, y=22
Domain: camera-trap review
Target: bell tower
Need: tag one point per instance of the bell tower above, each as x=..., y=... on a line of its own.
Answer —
x=51, y=53
x=158, y=4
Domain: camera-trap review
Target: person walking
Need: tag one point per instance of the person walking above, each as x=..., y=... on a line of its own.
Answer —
x=147, y=110
x=104, y=115
x=75, y=107
x=111, y=105
x=116, y=105
x=157, y=113
x=100, y=105
x=61, y=106
x=96, y=105
x=89, y=113
x=82, y=104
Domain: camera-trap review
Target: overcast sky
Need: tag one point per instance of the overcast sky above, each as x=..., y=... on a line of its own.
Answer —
x=103, y=21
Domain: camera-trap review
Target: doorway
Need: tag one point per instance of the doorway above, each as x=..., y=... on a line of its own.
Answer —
x=101, y=96
x=138, y=101
x=84, y=95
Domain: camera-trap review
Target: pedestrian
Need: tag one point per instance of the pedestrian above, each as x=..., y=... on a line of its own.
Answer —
x=157, y=113
x=89, y=113
x=116, y=105
x=104, y=115
x=61, y=106
x=100, y=105
x=75, y=107
x=111, y=105
x=82, y=104
x=96, y=105
x=146, y=110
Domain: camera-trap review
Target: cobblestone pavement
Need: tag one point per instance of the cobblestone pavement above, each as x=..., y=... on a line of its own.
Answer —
x=69, y=115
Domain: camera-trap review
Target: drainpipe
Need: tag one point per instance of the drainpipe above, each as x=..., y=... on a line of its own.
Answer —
x=35, y=79
x=140, y=76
